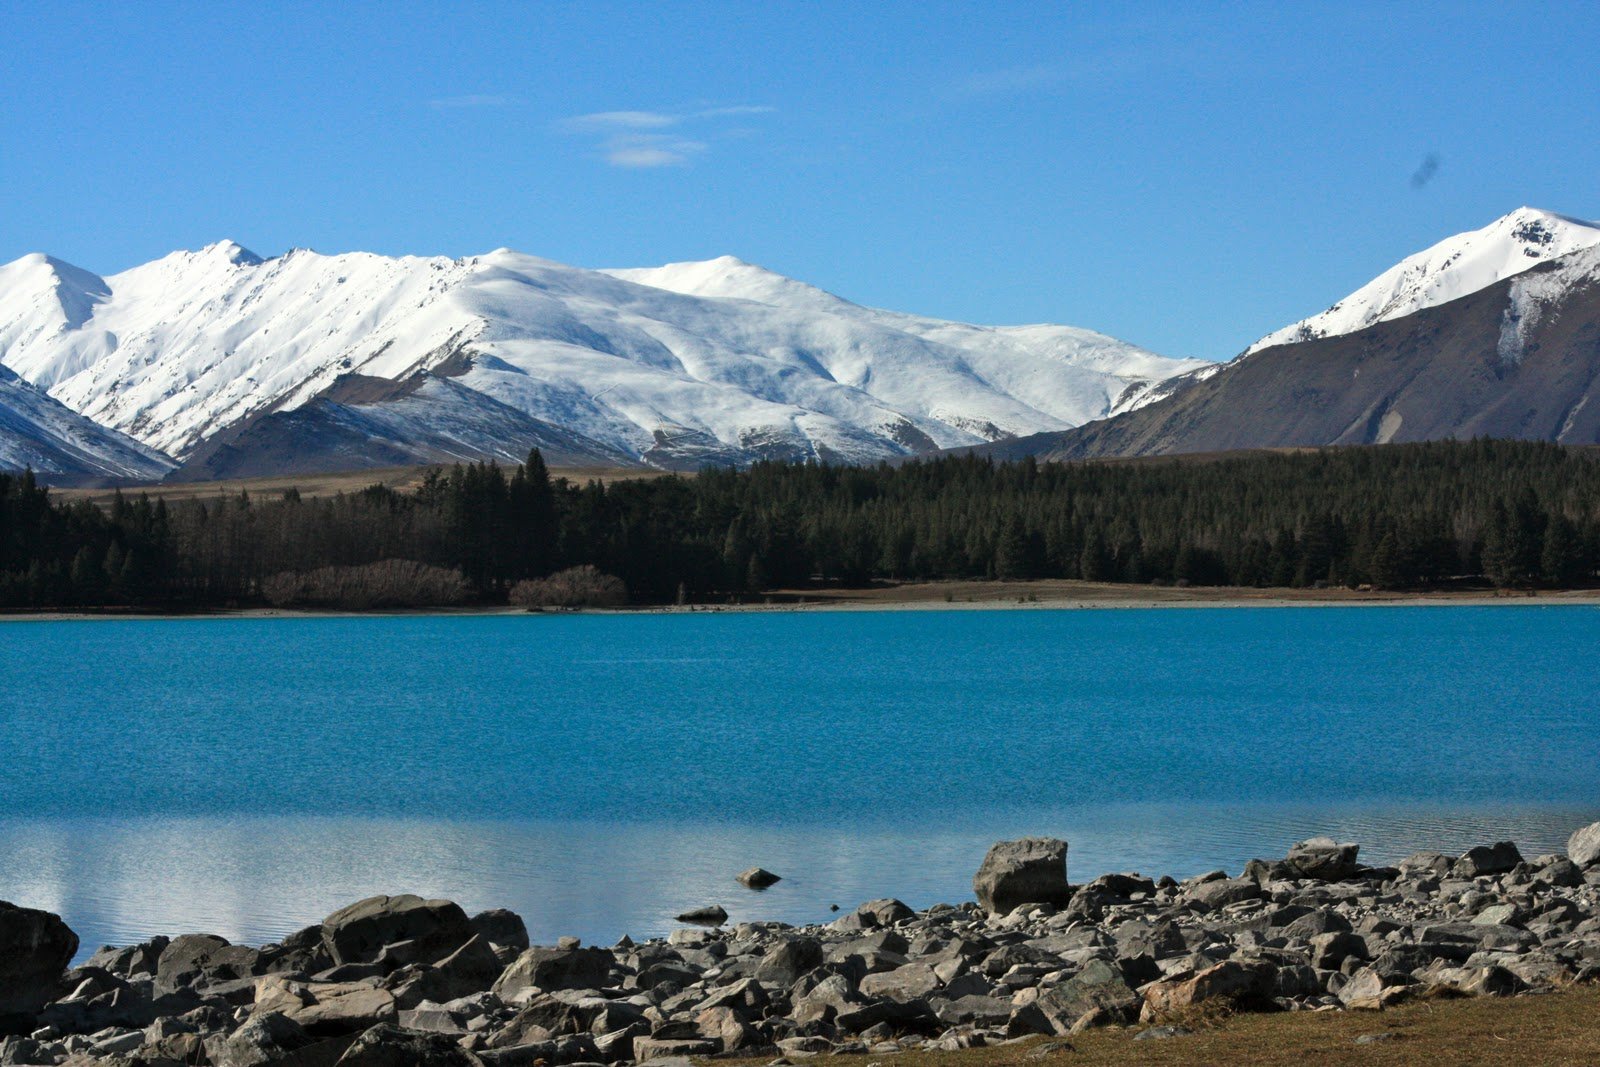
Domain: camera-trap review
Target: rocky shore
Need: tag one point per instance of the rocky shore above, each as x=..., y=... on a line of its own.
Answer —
x=402, y=980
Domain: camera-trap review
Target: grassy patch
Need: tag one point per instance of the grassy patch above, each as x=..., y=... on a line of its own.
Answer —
x=1530, y=1031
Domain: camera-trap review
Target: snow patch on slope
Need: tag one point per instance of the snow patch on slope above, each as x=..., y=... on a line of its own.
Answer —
x=1451, y=269
x=1531, y=293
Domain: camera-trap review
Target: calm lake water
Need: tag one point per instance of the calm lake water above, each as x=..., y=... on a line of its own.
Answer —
x=599, y=774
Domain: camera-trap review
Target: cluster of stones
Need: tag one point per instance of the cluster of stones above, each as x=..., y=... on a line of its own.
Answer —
x=402, y=980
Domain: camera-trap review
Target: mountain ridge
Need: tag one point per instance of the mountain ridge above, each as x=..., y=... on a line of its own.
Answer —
x=43, y=435
x=1517, y=359
x=196, y=344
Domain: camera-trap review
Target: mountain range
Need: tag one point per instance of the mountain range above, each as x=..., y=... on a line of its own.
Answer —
x=220, y=363
x=231, y=364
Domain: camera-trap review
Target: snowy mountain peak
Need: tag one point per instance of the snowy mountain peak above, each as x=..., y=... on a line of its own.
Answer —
x=44, y=297
x=729, y=277
x=230, y=252
x=1448, y=270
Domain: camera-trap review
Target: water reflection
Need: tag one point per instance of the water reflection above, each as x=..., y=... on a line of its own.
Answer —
x=253, y=879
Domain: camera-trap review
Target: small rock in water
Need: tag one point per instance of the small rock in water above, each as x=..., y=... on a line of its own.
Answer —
x=758, y=878
x=714, y=915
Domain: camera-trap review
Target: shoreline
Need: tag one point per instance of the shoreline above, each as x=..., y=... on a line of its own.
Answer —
x=1042, y=595
x=1311, y=935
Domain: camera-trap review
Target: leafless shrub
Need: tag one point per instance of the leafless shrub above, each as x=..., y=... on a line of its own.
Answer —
x=575, y=587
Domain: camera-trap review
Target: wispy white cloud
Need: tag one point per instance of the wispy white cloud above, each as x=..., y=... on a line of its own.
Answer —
x=1120, y=57
x=621, y=120
x=638, y=139
x=737, y=109
x=470, y=100
x=641, y=151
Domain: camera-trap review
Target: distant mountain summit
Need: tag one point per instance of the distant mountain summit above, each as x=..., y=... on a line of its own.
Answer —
x=1449, y=270
x=234, y=364
x=1494, y=333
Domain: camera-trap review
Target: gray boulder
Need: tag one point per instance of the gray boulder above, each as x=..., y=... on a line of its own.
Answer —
x=195, y=959
x=469, y=969
x=903, y=983
x=389, y=1046
x=1563, y=873
x=662, y=1049
x=1323, y=858
x=875, y=914
x=556, y=968
x=1370, y=988
x=1426, y=862
x=1323, y=921
x=1583, y=847
x=501, y=927
x=1497, y=858
x=302, y=952
x=1220, y=892
x=1246, y=984
x=784, y=963
x=262, y=1038
x=359, y=932
x=35, y=948
x=825, y=1001
x=1330, y=950
x=1098, y=987
x=1032, y=870
x=726, y=1026
x=325, y=1008
x=132, y=960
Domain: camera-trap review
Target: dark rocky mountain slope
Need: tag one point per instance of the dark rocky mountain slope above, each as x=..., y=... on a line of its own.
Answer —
x=1518, y=359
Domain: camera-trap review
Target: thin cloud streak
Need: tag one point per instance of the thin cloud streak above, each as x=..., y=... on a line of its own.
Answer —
x=643, y=151
x=629, y=120
x=1115, y=61
x=739, y=109
x=636, y=139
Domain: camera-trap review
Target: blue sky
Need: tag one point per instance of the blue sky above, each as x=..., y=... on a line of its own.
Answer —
x=1186, y=177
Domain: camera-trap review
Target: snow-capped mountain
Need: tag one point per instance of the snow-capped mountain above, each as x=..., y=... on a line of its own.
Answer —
x=56, y=442
x=213, y=354
x=1519, y=358
x=1450, y=269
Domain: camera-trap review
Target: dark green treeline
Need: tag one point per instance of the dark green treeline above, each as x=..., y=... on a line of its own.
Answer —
x=1401, y=516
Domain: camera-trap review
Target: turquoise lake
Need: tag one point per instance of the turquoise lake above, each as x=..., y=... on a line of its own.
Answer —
x=599, y=774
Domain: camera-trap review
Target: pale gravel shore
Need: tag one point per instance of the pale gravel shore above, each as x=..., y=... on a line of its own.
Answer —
x=943, y=596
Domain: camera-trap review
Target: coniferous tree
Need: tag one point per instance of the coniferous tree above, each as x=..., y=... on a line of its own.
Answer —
x=1561, y=560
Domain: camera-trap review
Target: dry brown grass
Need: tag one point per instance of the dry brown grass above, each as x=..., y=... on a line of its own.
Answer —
x=315, y=485
x=1536, y=1031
